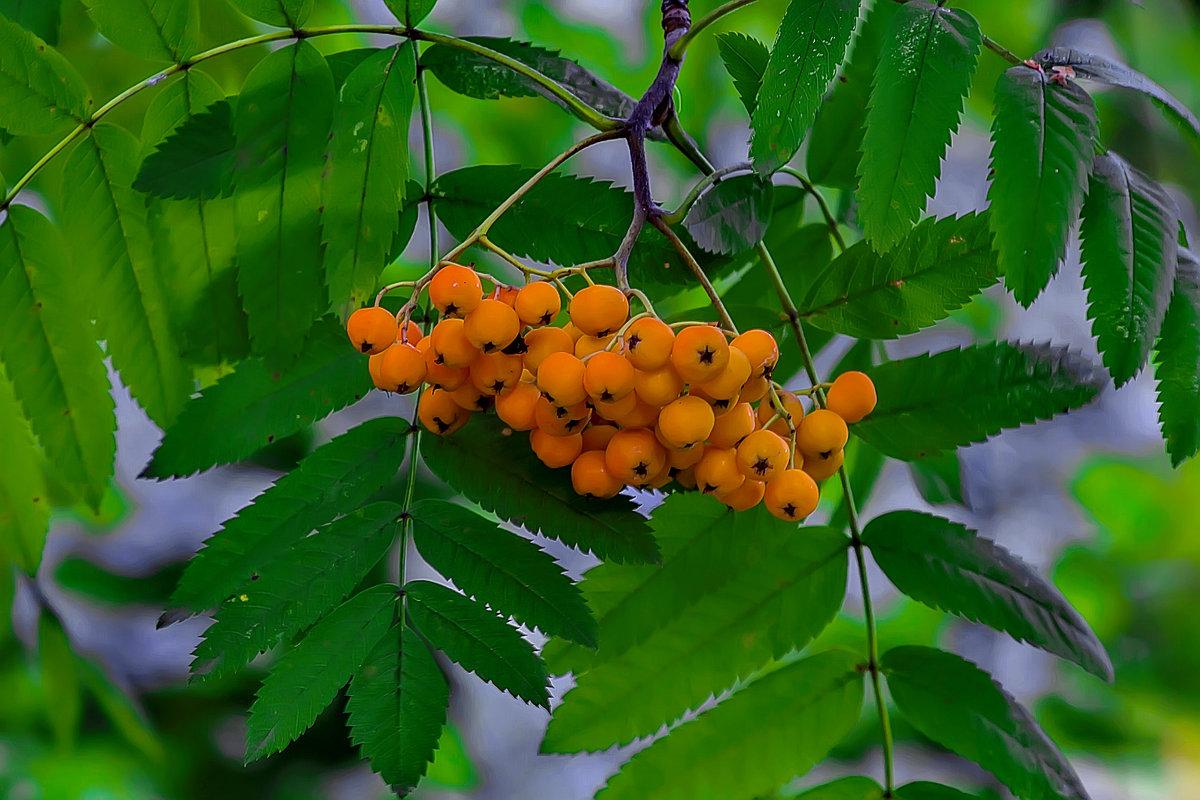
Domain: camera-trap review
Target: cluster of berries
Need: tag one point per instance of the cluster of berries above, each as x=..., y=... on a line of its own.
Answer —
x=621, y=402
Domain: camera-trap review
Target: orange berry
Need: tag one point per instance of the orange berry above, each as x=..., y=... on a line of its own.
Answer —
x=617, y=409
x=762, y=455
x=448, y=378
x=657, y=387
x=699, y=353
x=684, y=459
x=538, y=303
x=560, y=421
x=410, y=333
x=450, y=344
x=685, y=477
x=717, y=472
x=791, y=405
x=599, y=310
x=754, y=390
x=728, y=384
x=590, y=475
x=495, y=373
x=823, y=466
x=438, y=412
x=506, y=295
x=373, y=370
x=491, y=326
x=821, y=432
x=372, y=329
x=643, y=415
x=761, y=350
x=792, y=496
x=555, y=451
x=597, y=437
x=471, y=398
x=515, y=408
x=729, y=429
x=455, y=290
x=401, y=369
x=608, y=377
x=745, y=497
x=634, y=456
x=560, y=378
x=586, y=345
x=648, y=343
x=686, y=422
x=852, y=396
x=573, y=332
x=661, y=479
x=541, y=342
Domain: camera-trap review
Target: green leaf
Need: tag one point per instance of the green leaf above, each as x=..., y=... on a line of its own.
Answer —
x=476, y=76
x=196, y=160
x=1130, y=249
x=164, y=30
x=24, y=506
x=1042, y=142
x=1095, y=68
x=368, y=172
x=476, y=639
x=1177, y=365
x=309, y=675
x=749, y=745
x=411, y=12
x=589, y=219
x=282, y=124
x=938, y=267
x=939, y=479
x=39, y=17
x=295, y=590
x=41, y=93
x=504, y=476
x=924, y=790
x=280, y=13
x=959, y=706
x=50, y=354
x=259, y=404
x=177, y=104
x=745, y=60
x=835, y=144
x=855, y=788
x=782, y=591
x=929, y=404
x=103, y=587
x=334, y=479
x=62, y=700
x=731, y=216
x=122, y=712
x=809, y=48
x=923, y=76
x=396, y=707
x=106, y=220
x=950, y=567
x=508, y=572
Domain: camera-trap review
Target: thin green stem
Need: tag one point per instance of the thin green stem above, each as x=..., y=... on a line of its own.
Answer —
x=697, y=270
x=430, y=170
x=708, y=180
x=1002, y=51
x=830, y=219
x=551, y=87
x=406, y=526
x=680, y=47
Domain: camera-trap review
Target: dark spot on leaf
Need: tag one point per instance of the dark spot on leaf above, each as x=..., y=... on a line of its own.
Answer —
x=271, y=438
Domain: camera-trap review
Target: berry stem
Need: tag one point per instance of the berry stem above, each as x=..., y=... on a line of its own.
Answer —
x=676, y=216
x=686, y=145
x=697, y=270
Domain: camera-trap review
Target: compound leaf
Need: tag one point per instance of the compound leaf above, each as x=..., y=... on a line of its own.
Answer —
x=745, y=60
x=1130, y=250
x=282, y=126
x=334, y=479
x=476, y=639
x=731, y=216
x=961, y=707
x=505, y=477
x=297, y=589
x=280, y=13
x=1043, y=137
x=368, y=172
x=779, y=726
x=51, y=356
x=809, y=48
x=396, y=707
x=784, y=588
x=949, y=566
x=165, y=30
x=508, y=572
x=1177, y=365
x=257, y=404
x=933, y=403
x=309, y=675
x=41, y=93
x=924, y=74
x=937, y=268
